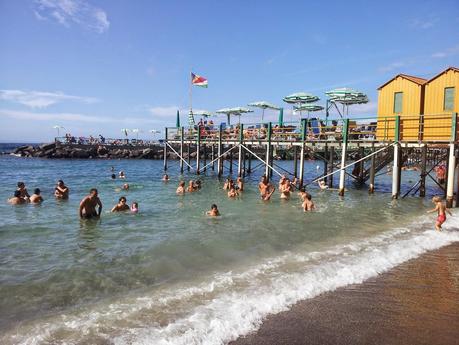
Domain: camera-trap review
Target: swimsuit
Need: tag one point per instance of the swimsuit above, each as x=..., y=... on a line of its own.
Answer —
x=441, y=218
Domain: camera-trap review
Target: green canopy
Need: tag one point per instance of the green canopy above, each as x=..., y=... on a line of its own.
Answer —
x=308, y=107
x=281, y=117
x=263, y=105
x=346, y=97
x=203, y=113
x=177, y=121
x=300, y=98
x=238, y=111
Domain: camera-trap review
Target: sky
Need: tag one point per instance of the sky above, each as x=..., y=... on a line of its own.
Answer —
x=96, y=67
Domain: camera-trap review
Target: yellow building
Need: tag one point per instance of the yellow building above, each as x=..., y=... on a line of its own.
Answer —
x=441, y=100
x=402, y=95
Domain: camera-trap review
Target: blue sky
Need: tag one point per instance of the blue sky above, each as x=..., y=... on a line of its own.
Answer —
x=99, y=66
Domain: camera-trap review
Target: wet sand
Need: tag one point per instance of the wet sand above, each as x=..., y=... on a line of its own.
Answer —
x=414, y=303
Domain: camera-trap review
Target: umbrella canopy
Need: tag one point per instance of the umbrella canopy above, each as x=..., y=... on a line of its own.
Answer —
x=309, y=107
x=177, y=120
x=238, y=111
x=300, y=98
x=125, y=131
x=347, y=96
x=204, y=113
x=263, y=105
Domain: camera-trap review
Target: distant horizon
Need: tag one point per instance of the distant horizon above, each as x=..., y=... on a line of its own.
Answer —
x=98, y=67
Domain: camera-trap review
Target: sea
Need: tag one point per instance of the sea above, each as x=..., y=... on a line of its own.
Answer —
x=171, y=275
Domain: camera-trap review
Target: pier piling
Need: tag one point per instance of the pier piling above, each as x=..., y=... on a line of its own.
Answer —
x=396, y=169
x=181, y=150
x=342, y=173
x=165, y=150
x=268, y=151
x=371, y=189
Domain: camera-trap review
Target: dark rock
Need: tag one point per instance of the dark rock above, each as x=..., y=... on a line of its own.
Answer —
x=46, y=147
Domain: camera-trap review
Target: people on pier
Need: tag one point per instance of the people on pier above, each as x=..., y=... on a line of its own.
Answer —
x=24, y=194
x=61, y=191
x=16, y=199
x=88, y=205
x=181, y=188
x=265, y=188
x=441, y=210
x=36, y=197
x=308, y=204
x=213, y=211
x=121, y=205
x=165, y=178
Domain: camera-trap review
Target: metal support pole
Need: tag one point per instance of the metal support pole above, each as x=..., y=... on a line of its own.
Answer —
x=198, y=151
x=325, y=162
x=342, y=173
x=371, y=189
x=213, y=157
x=422, y=187
x=249, y=168
x=268, y=150
x=219, y=152
x=181, y=150
x=239, y=158
x=189, y=155
x=332, y=159
x=165, y=149
x=396, y=166
x=361, y=164
x=204, y=154
x=304, y=123
x=295, y=161
x=451, y=162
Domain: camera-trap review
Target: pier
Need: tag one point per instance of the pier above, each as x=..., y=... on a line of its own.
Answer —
x=368, y=145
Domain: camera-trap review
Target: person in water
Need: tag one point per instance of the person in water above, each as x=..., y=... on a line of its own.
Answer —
x=181, y=188
x=121, y=205
x=322, y=184
x=134, y=207
x=441, y=210
x=240, y=184
x=16, y=199
x=198, y=184
x=191, y=187
x=88, y=205
x=36, y=198
x=303, y=193
x=24, y=194
x=308, y=204
x=228, y=184
x=165, y=178
x=285, y=188
x=122, y=175
x=61, y=191
x=126, y=186
x=265, y=188
x=113, y=177
x=232, y=193
x=213, y=211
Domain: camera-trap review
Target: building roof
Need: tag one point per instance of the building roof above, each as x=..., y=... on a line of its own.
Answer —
x=417, y=80
x=451, y=68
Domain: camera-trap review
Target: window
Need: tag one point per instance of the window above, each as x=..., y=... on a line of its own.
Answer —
x=448, y=101
x=398, y=102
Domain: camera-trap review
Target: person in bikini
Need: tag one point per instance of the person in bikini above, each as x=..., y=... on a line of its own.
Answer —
x=121, y=206
x=441, y=210
x=88, y=205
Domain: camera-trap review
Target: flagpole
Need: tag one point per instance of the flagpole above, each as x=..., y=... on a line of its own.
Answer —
x=191, y=94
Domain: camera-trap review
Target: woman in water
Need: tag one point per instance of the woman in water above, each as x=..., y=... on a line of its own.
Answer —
x=121, y=206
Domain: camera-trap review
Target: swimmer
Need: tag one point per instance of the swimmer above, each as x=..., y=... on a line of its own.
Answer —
x=181, y=188
x=126, y=186
x=302, y=193
x=61, y=191
x=265, y=188
x=232, y=193
x=16, y=199
x=197, y=184
x=113, y=176
x=165, y=178
x=322, y=184
x=23, y=190
x=240, y=184
x=294, y=183
x=213, y=211
x=191, y=187
x=134, y=207
x=36, y=196
x=112, y=169
x=122, y=175
x=285, y=189
x=121, y=206
x=88, y=205
x=308, y=205
x=441, y=210
x=228, y=184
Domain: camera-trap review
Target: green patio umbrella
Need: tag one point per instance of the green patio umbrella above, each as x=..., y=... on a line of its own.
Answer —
x=346, y=97
x=300, y=98
x=309, y=108
x=226, y=111
x=263, y=105
x=237, y=111
x=281, y=117
x=177, y=121
x=203, y=113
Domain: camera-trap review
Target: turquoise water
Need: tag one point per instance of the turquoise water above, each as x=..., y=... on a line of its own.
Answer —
x=171, y=275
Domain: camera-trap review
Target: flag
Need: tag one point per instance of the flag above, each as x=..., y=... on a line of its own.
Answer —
x=198, y=80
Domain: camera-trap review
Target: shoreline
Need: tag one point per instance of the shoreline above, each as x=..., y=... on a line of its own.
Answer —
x=416, y=302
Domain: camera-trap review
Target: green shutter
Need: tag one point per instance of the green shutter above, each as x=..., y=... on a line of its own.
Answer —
x=448, y=102
x=398, y=102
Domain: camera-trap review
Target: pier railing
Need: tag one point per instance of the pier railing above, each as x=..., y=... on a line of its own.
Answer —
x=405, y=128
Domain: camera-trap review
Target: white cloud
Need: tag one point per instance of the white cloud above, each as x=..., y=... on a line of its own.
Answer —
x=423, y=23
x=166, y=112
x=393, y=66
x=446, y=53
x=66, y=12
x=41, y=99
x=369, y=108
x=33, y=116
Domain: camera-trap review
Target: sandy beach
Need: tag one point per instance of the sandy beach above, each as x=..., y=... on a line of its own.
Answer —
x=414, y=303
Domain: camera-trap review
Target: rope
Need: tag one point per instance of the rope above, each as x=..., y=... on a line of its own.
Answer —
x=256, y=156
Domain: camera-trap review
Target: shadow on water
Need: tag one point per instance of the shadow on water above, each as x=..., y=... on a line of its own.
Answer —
x=89, y=233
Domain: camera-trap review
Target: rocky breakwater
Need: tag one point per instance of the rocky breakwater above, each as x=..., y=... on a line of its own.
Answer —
x=66, y=151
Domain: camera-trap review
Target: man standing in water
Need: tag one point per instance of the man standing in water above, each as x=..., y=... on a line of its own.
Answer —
x=61, y=191
x=266, y=189
x=16, y=199
x=88, y=205
x=441, y=209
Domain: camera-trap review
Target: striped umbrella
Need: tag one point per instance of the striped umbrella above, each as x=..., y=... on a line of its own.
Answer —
x=203, y=113
x=300, y=98
x=308, y=107
x=263, y=105
x=238, y=111
x=346, y=97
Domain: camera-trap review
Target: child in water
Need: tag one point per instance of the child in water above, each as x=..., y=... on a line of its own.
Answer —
x=213, y=211
x=135, y=207
x=181, y=188
x=441, y=210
